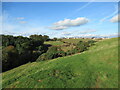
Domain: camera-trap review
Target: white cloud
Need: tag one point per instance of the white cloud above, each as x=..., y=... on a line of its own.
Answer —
x=9, y=27
x=67, y=23
x=20, y=18
x=58, y=27
x=16, y=29
x=110, y=35
x=102, y=20
x=66, y=33
x=110, y=15
x=87, y=31
x=22, y=22
x=74, y=22
x=115, y=18
x=77, y=32
x=96, y=35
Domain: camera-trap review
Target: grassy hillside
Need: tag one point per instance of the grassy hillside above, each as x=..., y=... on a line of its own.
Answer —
x=54, y=43
x=75, y=41
x=95, y=68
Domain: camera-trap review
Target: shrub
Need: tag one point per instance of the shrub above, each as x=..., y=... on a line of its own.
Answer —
x=91, y=42
x=81, y=46
x=53, y=52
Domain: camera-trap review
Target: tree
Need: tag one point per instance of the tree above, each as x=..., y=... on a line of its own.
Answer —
x=9, y=60
x=54, y=39
x=24, y=48
x=46, y=38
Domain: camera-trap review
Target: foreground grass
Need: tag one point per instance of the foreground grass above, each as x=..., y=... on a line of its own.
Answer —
x=95, y=68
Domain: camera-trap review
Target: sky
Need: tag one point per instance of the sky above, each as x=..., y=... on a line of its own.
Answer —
x=60, y=19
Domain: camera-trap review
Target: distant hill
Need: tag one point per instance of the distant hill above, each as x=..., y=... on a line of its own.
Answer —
x=95, y=68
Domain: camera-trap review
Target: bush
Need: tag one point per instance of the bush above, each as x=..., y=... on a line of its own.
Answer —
x=81, y=46
x=91, y=42
x=68, y=53
x=53, y=52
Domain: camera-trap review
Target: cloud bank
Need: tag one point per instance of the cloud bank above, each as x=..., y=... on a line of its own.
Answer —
x=87, y=31
x=115, y=19
x=95, y=35
x=67, y=23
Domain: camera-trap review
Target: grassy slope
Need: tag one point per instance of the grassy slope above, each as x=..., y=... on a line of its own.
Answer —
x=54, y=43
x=75, y=41
x=95, y=68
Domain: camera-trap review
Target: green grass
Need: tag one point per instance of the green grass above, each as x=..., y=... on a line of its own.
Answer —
x=54, y=43
x=95, y=68
x=75, y=41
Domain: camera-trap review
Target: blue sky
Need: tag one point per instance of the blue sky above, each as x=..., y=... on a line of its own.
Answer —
x=60, y=19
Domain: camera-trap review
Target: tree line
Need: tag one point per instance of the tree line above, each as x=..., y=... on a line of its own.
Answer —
x=18, y=50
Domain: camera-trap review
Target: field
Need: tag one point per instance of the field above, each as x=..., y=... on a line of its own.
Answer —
x=95, y=68
x=75, y=41
x=54, y=43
